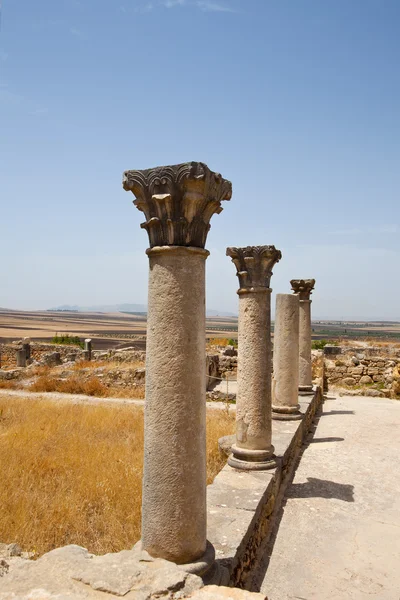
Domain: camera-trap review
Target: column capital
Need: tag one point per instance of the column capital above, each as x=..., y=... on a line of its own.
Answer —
x=254, y=265
x=303, y=287
x=178, y=201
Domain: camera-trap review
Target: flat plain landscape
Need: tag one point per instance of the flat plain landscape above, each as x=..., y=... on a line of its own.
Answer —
x=110, y=330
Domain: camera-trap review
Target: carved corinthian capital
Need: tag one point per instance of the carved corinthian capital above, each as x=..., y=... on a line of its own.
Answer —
x=254, y=265
x=303, y=287
x=178, y=202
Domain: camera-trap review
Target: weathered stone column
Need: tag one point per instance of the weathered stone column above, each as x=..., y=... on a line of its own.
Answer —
x=304, y=288
x=178, y=202
x=26, y=345
x=21, y=357
x=88, y=349
x=253, y=449
x=285, y=378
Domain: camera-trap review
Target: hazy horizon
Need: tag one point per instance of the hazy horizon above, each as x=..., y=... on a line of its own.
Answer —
x=219, y=312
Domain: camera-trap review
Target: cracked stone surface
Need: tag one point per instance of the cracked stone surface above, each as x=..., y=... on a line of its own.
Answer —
x=339, y=534
x=72, y=572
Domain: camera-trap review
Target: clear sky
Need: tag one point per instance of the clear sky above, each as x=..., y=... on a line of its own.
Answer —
x=297, y=102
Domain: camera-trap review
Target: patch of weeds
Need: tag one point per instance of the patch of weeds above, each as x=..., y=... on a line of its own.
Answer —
x=68, y=340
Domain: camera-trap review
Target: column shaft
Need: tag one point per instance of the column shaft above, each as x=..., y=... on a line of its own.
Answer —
x=174, y=481
x=285, y=378
x=305, y=373
x=253, y=407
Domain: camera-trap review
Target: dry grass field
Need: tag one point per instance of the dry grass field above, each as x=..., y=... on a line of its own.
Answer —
x=47, y=380
x=71, y=474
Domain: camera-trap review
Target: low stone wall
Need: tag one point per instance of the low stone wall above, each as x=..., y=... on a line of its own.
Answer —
x=242, y=505
x=371, y=369
x=67, y=353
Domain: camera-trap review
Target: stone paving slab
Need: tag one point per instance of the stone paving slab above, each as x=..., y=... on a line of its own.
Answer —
x=339, y=536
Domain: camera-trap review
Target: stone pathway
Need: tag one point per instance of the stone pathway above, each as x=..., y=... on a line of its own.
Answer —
x=339, y=536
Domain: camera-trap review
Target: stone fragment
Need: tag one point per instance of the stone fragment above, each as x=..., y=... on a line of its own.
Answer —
x=349, y=381
x=365, y=379
x=10, y=550
x=357, y=370
x=230, y=351
x=225, y=444
x=52, y=359
x=373, y=392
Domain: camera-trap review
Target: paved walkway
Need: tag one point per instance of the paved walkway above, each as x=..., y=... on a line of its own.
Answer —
x=339, y=537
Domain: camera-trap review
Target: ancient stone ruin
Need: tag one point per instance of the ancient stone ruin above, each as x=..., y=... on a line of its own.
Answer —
x=194, y=536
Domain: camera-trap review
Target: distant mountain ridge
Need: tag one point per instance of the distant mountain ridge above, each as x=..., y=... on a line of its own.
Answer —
x=141, y=308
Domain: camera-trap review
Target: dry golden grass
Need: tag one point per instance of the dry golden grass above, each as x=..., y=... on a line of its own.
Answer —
x=71, y=474
x=77, y=384
x=108, y=365
x=218, y=341
x=8, y=384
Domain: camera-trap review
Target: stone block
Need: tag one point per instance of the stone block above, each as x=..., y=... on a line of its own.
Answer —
x=372, y=371
x=357, y=370
x=365, y=379
x=349, y=381
x=373, y=393
x=332, y=350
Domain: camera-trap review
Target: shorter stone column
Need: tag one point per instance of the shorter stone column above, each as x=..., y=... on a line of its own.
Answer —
x=285, y=379
x=253, y=449
x=21, y=357
x=26, y=345
x=88, y=349
x=303, y=288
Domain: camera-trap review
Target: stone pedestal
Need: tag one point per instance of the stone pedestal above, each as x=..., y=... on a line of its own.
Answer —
x=253, y=449
x=285, y=379
x=178, y=202
x=303, y=288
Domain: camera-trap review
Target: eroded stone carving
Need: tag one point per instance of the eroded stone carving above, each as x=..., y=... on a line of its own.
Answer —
x=178, y=201
x=303, y=287
x=254, y=264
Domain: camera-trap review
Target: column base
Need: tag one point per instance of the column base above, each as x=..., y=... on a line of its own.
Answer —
x=206, y=567
x=306, y=390
x=286, y=413
x=252, y=460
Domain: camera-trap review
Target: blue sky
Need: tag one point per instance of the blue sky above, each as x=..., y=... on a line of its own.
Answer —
x=297, y=102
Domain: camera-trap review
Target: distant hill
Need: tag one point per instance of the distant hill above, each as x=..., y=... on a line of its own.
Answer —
x=106, y=308
x=126, y=308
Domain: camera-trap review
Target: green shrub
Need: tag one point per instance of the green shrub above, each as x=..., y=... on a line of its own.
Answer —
x=67, y=339
x=320, y=344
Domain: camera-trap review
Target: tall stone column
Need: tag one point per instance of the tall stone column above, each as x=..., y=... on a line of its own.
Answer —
x=253, y=449
x=178, y=202
x=285, y=379
x=303, y=288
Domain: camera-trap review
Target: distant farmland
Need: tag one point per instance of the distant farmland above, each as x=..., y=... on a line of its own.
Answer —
x=110, y=330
